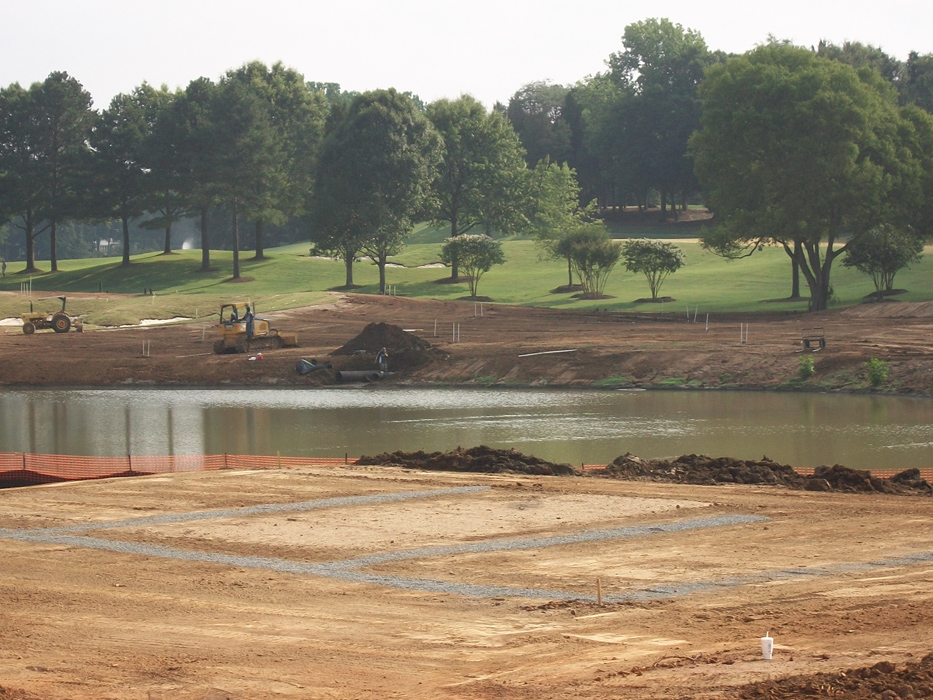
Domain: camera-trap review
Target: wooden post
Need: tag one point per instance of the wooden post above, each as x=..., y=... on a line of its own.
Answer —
x=599, y=592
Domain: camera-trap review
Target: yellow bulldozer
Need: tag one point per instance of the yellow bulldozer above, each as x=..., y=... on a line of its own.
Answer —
x=241, y=331
x=58, y=321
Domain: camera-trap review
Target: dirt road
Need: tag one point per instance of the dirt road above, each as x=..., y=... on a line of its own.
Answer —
x=356, y=582
x=476, y=344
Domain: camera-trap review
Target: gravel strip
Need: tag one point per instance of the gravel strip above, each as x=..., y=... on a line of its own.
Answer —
x=264, y=509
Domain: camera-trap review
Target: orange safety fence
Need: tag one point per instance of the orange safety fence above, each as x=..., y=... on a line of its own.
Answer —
x=24, y=469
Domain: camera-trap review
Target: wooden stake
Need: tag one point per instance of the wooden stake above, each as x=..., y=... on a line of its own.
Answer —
x=599, y=592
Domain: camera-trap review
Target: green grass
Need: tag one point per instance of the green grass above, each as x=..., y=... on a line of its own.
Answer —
x=290, y=277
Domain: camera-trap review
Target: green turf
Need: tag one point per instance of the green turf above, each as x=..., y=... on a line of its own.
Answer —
x=289, y=277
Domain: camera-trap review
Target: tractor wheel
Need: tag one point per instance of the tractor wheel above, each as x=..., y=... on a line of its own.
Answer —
x=278, y=342
x=29, y=328
x=61, y=323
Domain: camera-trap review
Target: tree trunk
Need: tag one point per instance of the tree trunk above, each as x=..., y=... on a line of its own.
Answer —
x=454, y=263
x=348, y=261
x=205, y=243
x=126, y=242
x=381, y=261
x=663, y=204
x=259, y=250
x=795, y=272
x=167, y=248
x=236, y=243
x=569, y=272
x=30, y=231
x=53, y=241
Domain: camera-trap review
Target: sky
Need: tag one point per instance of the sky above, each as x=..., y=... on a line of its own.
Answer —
x=487, y=48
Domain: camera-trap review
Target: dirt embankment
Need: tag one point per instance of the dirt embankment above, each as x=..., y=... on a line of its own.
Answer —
x=457, y=343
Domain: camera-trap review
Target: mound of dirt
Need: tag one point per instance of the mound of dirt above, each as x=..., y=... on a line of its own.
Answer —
x=883, y=680
x=476, y=459
x=703, y=470
x=383, y=335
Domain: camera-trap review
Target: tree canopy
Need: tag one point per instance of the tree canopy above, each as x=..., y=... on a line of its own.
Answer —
x=799, y=149
x=374, y=175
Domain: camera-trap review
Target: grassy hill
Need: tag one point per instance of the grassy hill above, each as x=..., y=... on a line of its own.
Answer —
x=290, y=277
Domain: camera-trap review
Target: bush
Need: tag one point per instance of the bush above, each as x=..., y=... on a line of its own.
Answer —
x=806, y=369
x=877, y=371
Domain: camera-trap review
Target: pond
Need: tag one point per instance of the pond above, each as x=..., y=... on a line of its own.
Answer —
x=591, y=427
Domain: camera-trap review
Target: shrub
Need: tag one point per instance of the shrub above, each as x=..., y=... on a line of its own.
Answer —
x=806, y=369
x=877, y=371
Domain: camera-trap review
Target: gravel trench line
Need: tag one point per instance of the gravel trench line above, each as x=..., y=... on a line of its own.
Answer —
x=351, y=570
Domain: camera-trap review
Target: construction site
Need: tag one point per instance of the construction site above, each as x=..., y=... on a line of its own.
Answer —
x=283, y=579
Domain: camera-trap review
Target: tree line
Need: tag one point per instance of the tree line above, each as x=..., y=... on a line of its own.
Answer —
x=813, y=149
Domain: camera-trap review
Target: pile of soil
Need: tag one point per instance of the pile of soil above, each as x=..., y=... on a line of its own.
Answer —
x=383, y=335
x=883, y=680
x=476, y=459
x=407, y=352
x=703, y=470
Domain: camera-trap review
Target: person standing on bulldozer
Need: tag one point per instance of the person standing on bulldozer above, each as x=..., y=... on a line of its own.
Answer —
x=250, y=326
x=382, y=360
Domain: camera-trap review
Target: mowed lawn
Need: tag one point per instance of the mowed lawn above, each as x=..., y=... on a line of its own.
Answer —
x=291, y=277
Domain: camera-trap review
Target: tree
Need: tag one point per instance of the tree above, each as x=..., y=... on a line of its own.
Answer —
x=476, y=253
x=21, y=180
x=374, y=175
x=117, y=141
x=63, y=118
x=881, y=253
x=795, y=148
x=188, y=149
x=917, y=85
x=481, y=170
x=656, y=259
x=658, y=74
x=243, y=155
x=592, y=256
x=297, y=116
x=165, y=158
x=558, y=211
x=536, y=113
x=860, y=55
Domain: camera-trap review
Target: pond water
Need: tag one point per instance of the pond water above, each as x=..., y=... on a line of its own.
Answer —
x=591, y=427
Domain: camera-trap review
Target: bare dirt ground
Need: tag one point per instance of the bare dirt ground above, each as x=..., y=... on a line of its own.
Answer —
x=609, y=349
x=475, y=594
x=430, y=596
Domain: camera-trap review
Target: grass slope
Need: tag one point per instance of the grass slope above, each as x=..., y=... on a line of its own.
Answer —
x=289, y=277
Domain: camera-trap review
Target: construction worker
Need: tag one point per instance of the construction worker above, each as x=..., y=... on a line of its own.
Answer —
x=382, y=360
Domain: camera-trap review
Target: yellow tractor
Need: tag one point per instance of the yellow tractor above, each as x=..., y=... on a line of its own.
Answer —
x=58, y=321
x=241, y=331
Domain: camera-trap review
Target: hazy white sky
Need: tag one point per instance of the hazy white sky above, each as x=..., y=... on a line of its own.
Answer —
x=488, y=48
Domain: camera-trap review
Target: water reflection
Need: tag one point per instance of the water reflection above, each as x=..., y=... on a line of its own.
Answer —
x=571, y=426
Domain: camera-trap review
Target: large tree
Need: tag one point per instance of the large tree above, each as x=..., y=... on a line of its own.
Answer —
x=63, y=118
x=657, y=108
x=42, y=151
x=118, y=162
x=21, y=180
x=482, y=169
x=297, y=114
x=804, y=152
x=243, y=156
x=374, y=176
x=536, y=112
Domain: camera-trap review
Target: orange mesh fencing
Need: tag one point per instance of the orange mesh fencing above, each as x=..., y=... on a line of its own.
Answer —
x=25, y=469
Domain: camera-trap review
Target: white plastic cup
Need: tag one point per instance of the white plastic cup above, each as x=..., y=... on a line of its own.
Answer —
x=767, y=647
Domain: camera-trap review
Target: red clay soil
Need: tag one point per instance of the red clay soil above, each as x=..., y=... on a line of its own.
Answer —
x=507, y=346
